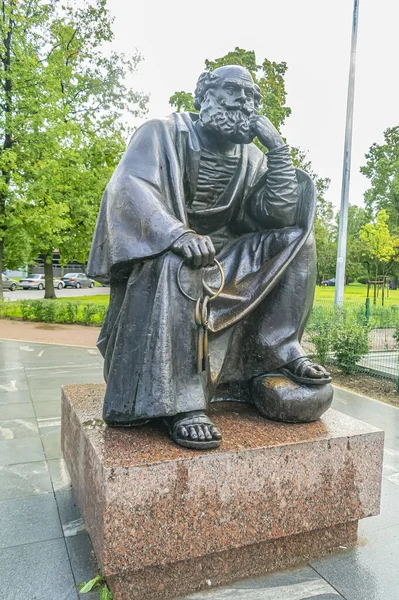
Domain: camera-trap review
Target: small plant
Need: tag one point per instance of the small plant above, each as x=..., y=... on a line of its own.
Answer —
x=89, y=313
x=350, y=341
x=321, y=338
x=97, y=582
x=71, y=312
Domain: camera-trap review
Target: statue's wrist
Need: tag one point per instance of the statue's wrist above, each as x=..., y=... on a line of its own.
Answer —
x=275, y=142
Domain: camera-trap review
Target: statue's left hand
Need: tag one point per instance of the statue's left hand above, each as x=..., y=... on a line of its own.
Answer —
x=265, y=131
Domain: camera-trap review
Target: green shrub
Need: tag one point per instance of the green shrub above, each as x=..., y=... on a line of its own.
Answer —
x=89, y=312
x=350, y=341
x=321, y=338
x=70, y=313
x=52, y=311
x=26, y=309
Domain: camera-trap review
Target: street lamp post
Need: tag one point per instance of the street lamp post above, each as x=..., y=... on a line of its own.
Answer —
x=343, y=217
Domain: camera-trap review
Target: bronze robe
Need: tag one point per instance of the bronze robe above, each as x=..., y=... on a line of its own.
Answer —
x=262, y=227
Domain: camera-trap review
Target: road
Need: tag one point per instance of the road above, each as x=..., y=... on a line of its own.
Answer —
x=64, y=293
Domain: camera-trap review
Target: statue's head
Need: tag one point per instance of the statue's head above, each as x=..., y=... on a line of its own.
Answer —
x=226, y=98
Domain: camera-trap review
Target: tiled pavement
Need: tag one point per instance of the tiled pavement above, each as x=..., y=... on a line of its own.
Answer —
x=44, y=550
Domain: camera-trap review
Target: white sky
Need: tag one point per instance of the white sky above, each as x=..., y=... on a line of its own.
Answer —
x=312, y=36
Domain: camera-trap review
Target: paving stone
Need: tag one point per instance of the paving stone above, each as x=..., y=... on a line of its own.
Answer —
x=26, y=479
x=59, y=474
x=39, y=571
x=302, y=584
x=28, y=520
x=71, y=519
x=52, y=408
x=15, y=429
x=92, y=376
x=391, y=460
x=83, y=561
x=389, y=515
x=61, y=369
x=17, y=411
x=21, y=451
x=51, y=394
x=368, y=573
x=14, y=398
x=50, y=433
x=13, y=383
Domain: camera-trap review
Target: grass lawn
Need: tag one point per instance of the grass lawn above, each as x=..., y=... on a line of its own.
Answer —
x=100, y=299
x=355, y=292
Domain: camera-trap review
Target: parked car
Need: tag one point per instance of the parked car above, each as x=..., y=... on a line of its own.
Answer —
x=328, y=282
x=36, y=281
x=9, y=284
x=77, y=280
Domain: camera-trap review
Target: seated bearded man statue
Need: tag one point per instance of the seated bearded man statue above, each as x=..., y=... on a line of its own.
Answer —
x=193, y=205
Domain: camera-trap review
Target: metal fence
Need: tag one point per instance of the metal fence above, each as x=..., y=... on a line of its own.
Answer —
x=382, y=323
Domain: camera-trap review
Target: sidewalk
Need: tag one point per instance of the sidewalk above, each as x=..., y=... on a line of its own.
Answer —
x=44, y=550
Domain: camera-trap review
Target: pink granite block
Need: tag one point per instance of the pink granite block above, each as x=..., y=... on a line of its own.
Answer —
x=154, y=510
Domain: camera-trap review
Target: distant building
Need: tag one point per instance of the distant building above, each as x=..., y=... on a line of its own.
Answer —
x=58, y=270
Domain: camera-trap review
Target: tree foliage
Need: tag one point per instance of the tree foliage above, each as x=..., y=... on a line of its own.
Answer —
x=63, y=101
x=382, y=169
x=377, y=243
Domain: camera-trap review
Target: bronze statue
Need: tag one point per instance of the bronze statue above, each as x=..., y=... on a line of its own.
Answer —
x=208, y=246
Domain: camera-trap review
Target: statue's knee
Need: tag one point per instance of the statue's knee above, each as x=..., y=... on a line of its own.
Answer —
x=287, y=236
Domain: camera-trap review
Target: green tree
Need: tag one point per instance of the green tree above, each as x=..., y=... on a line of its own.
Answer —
x=324, y=225
x=357, y=264
x=382, y=169
x=377, y=243
x=60, y=94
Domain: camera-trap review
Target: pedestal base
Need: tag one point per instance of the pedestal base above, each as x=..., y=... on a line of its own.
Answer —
x=166, y=521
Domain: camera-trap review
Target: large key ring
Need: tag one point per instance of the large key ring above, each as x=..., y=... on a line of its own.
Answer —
x=215, y=294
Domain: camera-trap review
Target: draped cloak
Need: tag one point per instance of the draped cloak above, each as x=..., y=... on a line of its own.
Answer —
x=145, y=209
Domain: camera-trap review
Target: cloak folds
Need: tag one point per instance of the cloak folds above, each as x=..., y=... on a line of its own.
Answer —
x=144, y=210
x=264, y=219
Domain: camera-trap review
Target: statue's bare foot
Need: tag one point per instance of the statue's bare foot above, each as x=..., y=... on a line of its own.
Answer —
x=303, y=370
x=194, y=430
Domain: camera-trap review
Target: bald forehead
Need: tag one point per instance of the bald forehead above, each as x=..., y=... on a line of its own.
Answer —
x=234, y=72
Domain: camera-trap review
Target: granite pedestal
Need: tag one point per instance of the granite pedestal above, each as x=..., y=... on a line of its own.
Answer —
x=165, y=521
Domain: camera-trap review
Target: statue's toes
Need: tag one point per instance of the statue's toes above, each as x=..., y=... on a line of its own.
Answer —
x=200, y=433
x=193, y=434
x=182, y=432
x=208, y=435
x=216, y=435
x=314, y=372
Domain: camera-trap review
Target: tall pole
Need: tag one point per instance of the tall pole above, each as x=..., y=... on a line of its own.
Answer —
x=343, y=216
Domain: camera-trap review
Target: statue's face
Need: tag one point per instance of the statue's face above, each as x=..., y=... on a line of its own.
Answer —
x=227, y=108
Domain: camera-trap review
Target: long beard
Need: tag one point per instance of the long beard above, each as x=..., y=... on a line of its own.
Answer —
x=231, y=124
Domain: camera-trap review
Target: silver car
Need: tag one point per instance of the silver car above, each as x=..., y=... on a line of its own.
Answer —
x=36, y=281
x=9, y=284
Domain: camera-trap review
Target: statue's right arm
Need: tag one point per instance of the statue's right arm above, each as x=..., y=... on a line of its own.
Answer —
x=197, y=250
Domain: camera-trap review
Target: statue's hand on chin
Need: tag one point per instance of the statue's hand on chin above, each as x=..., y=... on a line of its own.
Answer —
x=197, y=250
x=262, y=128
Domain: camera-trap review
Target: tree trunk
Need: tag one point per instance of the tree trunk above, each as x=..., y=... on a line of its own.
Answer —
x=48, y=278
x=1, y=268
x=7, y=144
